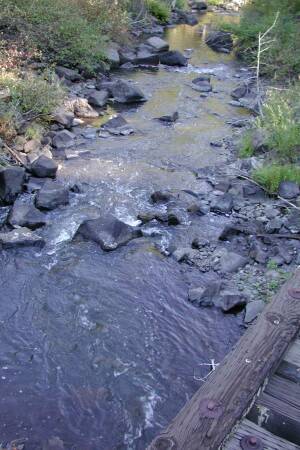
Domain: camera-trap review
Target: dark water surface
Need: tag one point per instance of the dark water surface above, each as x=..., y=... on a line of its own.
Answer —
x=103, y=349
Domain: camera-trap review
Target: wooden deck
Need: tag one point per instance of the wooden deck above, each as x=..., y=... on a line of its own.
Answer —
x=252, y=400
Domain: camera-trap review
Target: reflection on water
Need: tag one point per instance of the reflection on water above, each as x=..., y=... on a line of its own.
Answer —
x=101, y=349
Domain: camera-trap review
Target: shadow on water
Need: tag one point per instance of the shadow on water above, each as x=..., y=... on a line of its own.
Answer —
x=102, y=349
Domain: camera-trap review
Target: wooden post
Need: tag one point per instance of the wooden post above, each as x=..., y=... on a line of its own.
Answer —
x=207, y=419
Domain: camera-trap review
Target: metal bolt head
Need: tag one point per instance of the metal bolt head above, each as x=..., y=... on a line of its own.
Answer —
x=210, y=409
x=251, y=443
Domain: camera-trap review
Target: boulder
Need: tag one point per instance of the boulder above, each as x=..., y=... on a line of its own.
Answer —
x=98, y=98
x=158, y=44
x=124, y=92
x=11, y=183
x=253, y=309
x=199, y=5
x=161, y=196
x=289, y=189
x=68, y=74
x=176, y=216
x=112, y=56
x=63, y=139
x=52, y=195
x=109, y=232
x=44, y=167
x=63, y=117
x=169, y=119
x=230, y=300
x=231, y=262
x=204, y=295
x=202, y=83
x=173, y=58
x=187, y=18
x=239, y=92
x=21, y=237
x=220, y=41
x=32, y=146
x=83, y=109
x=26, y=215
x=117, y=126
x=222, y=204
x=146, y=58
x=258, y=253
x=182, y=254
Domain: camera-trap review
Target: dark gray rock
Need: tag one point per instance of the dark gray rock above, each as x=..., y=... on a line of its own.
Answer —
x=176, y=216
x=146, y=58
x=204, y=295
x=26, y=215
x=173, y=58
x=289, y=189
x=109, y=232
x=112, y=56
x=274, y=225
x=222, y=204
x=117, y=126
x=68, y=74
x=259, y=253
x=52, y=195
x=158, y=44
x=239, y=92
x=124, y=92
x=21, y=237
x=230, y=300
x=187, y=18
x=220, y=41
x=98, y=98
x=64, y=118
x=44, y=167
x=259, y=141
x=230, y=262
x=202, y=83
x=169, y=119
x=184, y=254
x=11, y=183
x=293, y=222
x=63, y=139
x=199, y=5
x=253, y=309
x=161, y=196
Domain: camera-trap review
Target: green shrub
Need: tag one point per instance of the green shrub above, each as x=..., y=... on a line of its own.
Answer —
x=283, y=57
x=159, y=9
x=271, y=176
x=68, y=32
x=246, y=150
x=281, y=121
x=30, y=98
x=181, y=4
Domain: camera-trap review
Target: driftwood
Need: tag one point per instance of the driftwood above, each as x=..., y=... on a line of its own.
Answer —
x=14, y=154
x=208, y=418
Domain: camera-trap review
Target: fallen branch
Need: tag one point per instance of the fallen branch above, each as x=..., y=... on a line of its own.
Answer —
x=15, y=155
x=292, y=205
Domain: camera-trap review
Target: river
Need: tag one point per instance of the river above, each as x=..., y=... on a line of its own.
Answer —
x=103, y=349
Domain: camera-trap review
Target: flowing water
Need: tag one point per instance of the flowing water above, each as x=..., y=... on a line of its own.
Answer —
x=103, y=349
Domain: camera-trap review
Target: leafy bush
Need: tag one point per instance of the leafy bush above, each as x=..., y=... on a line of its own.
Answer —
x=283, y=57
x=246, y=150
x=30, y=98
x=68, y=32
x=159, y=9
x=271, y=176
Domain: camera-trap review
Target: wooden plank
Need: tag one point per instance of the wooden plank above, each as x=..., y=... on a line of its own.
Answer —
x=289, y=371
x=269, y=440
x=277, y=417
x=292, y=356
x=284, y=390
x=209, y=416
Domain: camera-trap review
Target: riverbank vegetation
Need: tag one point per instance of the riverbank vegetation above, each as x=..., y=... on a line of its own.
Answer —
x=278, y=124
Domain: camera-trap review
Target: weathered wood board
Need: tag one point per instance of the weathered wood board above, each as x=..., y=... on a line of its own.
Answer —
x=219, y=404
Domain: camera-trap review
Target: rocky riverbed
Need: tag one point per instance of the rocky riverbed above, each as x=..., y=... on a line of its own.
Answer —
x=135, y=250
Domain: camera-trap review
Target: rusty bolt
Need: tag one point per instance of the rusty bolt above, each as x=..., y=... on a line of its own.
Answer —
x=251, y=442
x=210, y=409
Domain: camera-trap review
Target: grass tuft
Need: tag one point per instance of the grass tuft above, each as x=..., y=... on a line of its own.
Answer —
x=271, y=176
x=159, y=9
